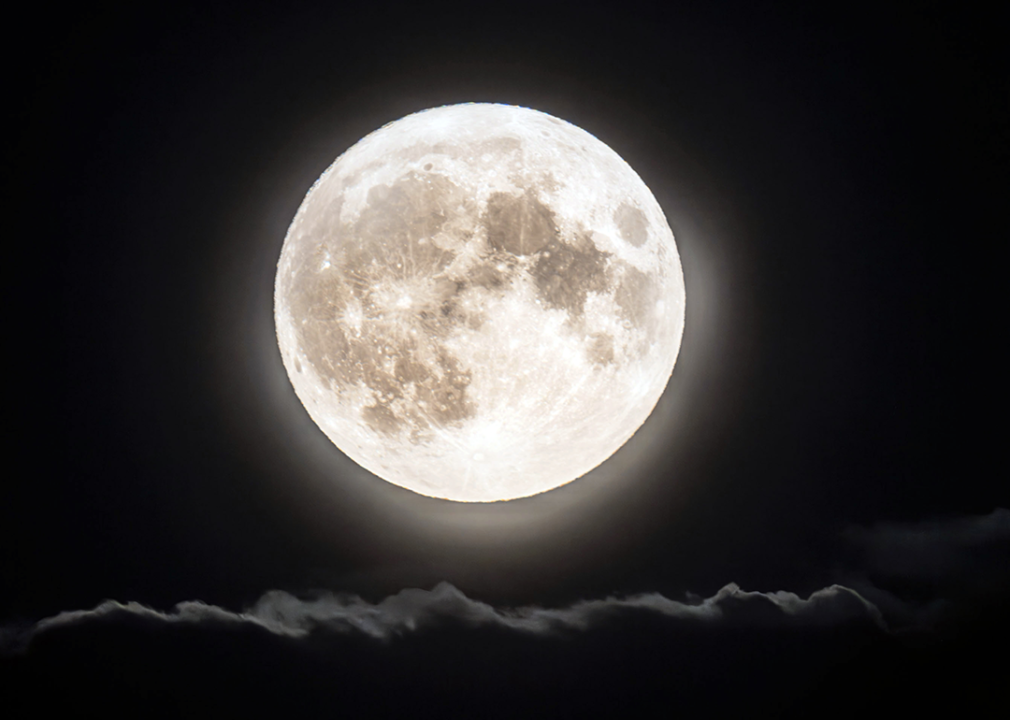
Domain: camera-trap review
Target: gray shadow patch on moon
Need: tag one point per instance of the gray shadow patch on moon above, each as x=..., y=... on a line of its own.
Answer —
x=520, y=225
x=636, y=296
x=375, y=303
x=632, y=224
x=565, y=274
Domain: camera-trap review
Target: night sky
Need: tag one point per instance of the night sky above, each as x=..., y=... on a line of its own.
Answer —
x=832, y=178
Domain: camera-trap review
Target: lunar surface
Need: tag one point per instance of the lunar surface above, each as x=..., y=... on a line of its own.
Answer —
x=479, y=302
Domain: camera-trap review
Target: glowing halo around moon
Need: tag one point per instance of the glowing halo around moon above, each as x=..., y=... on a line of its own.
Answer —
x=479, y=302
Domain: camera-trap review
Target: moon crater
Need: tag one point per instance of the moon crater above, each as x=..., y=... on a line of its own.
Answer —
x=479, y=302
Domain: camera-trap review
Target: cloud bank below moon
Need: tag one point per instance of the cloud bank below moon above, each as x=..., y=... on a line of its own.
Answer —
x=961, y=556
x=410, y=610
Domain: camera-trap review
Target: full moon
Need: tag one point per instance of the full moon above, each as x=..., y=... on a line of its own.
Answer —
x=479, y=302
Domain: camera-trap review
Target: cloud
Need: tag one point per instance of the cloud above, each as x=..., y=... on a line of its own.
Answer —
x=957, y=559
x=920, y=573
x=410, y=610
x=934, y=550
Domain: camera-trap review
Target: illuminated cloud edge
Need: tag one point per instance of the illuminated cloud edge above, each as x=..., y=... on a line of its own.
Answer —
x=410, y=610
x=941, y=550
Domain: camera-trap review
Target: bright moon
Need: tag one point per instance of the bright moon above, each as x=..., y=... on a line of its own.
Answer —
x=479, y=302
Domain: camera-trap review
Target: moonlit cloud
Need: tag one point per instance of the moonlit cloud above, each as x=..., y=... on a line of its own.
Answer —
x=972, y=546
x=960, y=556
x=410, y=610
x=942, y=565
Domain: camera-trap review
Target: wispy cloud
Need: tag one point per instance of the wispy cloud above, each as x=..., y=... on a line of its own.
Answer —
x=284, y=614
x=935, y=550
x=958, y=551
x=918, y=572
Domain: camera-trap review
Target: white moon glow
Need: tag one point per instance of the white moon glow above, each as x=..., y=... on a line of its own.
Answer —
x=479, y=302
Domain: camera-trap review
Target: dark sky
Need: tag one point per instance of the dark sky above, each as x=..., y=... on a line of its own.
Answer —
x=831, y=176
